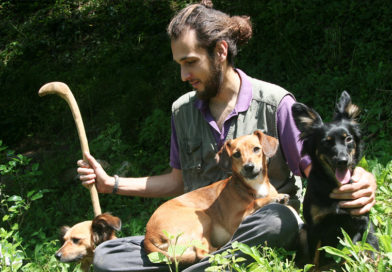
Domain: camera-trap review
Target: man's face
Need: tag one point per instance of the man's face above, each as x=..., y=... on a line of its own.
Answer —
x=202, y=72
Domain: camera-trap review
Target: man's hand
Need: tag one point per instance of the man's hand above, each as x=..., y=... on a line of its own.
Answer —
x=360, y=195
x=93, y=172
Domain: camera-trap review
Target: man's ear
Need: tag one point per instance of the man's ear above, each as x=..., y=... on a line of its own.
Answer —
x=223, y=156
x=221, y=50
x=268, y=143
x=305, y=118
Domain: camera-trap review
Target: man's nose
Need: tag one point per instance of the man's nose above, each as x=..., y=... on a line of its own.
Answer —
x=185, y=75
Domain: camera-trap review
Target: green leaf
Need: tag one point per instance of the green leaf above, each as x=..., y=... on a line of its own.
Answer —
x=36, y=196
x=365, y=235
x=347, y=239
x=168, y=235
x=157, y=257
x=240, y=259
x=308, y=267
x=198, y=244
x=336, y=252
x=244, y=248
x=177, y=249
x=381, y=266
x=35, y=166
x=386, y=243
x=15, y=198
x=364, y=164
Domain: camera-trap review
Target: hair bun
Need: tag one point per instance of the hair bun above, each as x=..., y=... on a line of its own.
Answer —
x=206, y=3
x=242, y=28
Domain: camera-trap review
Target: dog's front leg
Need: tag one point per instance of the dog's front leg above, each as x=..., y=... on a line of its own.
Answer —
x=282, y=199
x=86, y=264
x=278, y=198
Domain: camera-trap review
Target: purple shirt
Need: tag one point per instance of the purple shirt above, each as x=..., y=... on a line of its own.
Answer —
x=287, y=130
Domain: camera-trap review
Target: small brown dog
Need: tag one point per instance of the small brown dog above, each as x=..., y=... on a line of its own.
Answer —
x=213, y=213
x=81, y=239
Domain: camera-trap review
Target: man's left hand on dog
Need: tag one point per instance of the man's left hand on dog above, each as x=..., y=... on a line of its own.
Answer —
x=359, y=195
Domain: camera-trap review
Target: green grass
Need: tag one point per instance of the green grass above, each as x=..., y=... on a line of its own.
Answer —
x=29, y=222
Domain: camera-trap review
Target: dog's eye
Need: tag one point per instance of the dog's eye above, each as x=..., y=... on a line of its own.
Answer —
x=327, y=141
x=349, y=139
x=256, y=149
x=237, y=155
x=75, y=240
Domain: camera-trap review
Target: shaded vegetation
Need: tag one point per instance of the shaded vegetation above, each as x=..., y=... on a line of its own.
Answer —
x=116, y=58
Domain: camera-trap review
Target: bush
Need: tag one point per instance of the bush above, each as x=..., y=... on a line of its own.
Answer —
x=116, y=58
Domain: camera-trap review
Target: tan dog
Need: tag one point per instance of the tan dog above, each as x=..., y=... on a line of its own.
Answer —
x=81, y=239
x=213, y=213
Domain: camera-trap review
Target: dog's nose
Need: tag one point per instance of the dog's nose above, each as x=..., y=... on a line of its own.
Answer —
x=342, y=161
x=58, y=255
x=249, y=167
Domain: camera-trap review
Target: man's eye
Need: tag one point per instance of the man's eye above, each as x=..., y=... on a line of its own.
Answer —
x=190, y=62
x=237, y=155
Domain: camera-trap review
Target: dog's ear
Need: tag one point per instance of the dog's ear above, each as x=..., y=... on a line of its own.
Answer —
x=269, y=143
x=104, y=226
x=63, y=230
x=223, y=156
x=345, y=109
x=305, y=118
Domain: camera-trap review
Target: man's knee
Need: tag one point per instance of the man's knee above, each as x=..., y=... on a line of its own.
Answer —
x=280, y=218
x=101, y=260
x=274, y=224
x=124, y=254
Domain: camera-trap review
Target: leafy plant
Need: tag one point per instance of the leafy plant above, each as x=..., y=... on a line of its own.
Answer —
x=13, y=208
x=43, y=259
x=226, y=260
x=11, y=251
x=382, y=209
x=109, y=143
x=174, y=252
x=263, y=259
x=361, y=256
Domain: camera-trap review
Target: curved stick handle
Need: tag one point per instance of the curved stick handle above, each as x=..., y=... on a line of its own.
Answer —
x=63, y=91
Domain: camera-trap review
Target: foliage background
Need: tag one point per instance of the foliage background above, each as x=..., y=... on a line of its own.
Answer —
x=116, y=58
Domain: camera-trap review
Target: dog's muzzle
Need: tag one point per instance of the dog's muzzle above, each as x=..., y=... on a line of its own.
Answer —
x=343, y=169
x=250, y=171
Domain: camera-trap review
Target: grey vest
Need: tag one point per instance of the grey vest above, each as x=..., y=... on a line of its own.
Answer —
x=198, y=148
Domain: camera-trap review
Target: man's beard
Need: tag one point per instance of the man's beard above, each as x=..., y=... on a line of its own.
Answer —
x=213, y=84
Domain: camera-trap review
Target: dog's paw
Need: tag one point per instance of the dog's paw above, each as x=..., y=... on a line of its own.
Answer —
x=282, y=199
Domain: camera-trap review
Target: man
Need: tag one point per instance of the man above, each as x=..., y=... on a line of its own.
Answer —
x=225, y=104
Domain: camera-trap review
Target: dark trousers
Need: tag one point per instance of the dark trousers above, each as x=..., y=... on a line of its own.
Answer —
x=275, y=224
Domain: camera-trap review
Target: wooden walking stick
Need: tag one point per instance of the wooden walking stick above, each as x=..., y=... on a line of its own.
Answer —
x=63, y=91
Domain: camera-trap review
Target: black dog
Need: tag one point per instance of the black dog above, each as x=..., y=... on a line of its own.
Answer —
x=335, y=148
